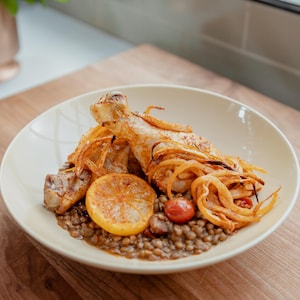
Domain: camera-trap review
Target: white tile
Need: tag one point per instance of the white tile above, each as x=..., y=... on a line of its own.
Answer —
x=220, y=19
x=246, y=69
x=274, y=34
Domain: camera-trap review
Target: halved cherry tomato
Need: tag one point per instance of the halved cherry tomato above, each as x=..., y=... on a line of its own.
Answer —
x=179, y=210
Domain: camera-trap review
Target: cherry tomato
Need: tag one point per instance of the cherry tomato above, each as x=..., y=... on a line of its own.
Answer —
x=179, y=210
x=245, y=202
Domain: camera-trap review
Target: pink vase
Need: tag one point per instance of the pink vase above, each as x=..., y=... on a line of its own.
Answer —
x=9, y=44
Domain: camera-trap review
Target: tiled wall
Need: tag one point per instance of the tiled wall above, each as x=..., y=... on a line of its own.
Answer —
x=252, y=43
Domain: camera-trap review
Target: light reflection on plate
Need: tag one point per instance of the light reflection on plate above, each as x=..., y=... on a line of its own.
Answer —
x=43, y=145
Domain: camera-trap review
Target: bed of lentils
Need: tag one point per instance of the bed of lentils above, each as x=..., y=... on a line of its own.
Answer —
x=182, y=240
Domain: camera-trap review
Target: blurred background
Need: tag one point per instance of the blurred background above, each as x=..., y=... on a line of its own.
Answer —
x=256, y=43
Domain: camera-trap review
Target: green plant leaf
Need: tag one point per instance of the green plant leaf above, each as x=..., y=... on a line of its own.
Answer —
x=12, y=6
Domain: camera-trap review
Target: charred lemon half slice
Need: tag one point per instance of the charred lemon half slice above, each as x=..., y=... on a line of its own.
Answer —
x=121, y=204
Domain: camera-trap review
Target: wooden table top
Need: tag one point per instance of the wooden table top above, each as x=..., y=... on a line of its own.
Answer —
x=271, y=270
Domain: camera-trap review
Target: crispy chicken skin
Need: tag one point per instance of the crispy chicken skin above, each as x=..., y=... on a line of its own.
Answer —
x=112, y=111
x=144, y=132
x=63, y=190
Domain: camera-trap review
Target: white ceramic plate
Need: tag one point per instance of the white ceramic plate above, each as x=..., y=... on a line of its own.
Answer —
x=43, y=145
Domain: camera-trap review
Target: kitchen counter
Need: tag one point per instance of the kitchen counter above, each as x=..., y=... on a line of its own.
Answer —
x=28, y=270
x=53, y=44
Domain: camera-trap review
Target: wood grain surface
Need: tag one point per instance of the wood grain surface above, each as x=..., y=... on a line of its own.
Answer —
x=271, y=270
